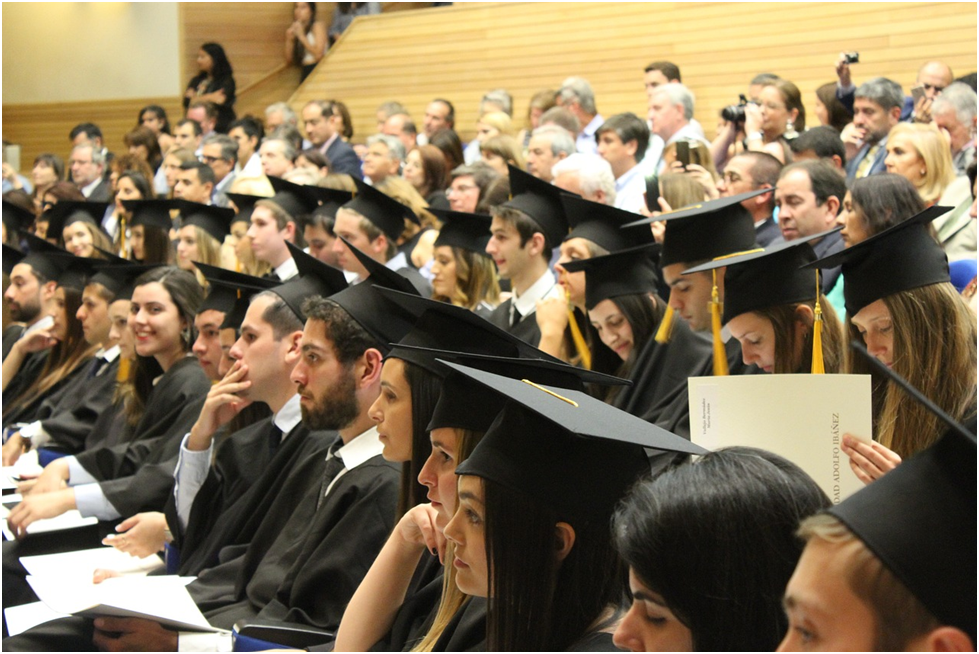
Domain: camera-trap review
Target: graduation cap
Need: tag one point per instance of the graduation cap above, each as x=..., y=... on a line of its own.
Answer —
x=229, y=292
x=315, y=278
x=76, y=271
x=295, y=199
x=604, y=225
x=900, y=258
x=387, y=214
x=628, y=272
x=363, y=301
x=706, y=230
x=469, y=231
x=245, y=204
x=118, y=275
x=43, y=257
x=16, y=218
x=68, y=212
x=444, y=326
x=920, y=519
x=213, y=219
x=575, y=454
x=151, y=213
x=465, y=404
x=11, y=257
x=541, y=201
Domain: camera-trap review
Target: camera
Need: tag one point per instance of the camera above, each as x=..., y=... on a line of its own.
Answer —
x=851, y=57
x=735, y=113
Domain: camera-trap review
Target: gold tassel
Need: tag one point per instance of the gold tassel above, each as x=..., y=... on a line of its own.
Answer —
x=124, y=253
x=122, y=374
x=720, y=354
x=665, y=331
x=817, y=335
x=579, y=340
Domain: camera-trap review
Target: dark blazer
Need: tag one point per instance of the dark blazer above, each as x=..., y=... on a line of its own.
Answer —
x=101, y=193
x=767, y=233
x=876, y=167
x=343, y=159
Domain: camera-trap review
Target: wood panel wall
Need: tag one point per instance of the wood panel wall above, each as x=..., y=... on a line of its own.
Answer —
x=460, y=52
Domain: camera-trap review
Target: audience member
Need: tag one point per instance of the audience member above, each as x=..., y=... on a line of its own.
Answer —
x=188, y=135
x=305, y=39
x=425, y=170
x=278, y=157
x=279, y=113
x=829, y=110
x=468, y=186
x=561, y=117
x=383, y=159
x=402, y=127
x=750, y=171
x=248, y=133
x=448, y=142
x=659, y=73
x=876, y=109
x=501, y=151
x=87, y=165
x=577, y=96
x=142, y=143
x=587, y=175
x=220, y=153
x=622, y=141
x=206, y=115
x=670, y=113
x=778, y=118
x=822, y=142
x=154, y=117
x=439, y=114
x=540, y=102
x=215, y=83
x=195, y=182
x=875, y=204
x=321, y=125
x=549, y=144
x=344, y=14
x=954, y=112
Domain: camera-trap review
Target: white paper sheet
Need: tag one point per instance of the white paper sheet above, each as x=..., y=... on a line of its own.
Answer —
x=163, y=599
x=26, y=467
x=800, y=417
x=23, y=617
x=67, y=520
x=81, y=564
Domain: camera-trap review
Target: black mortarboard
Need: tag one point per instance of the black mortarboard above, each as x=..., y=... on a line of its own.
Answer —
x=76, y=271
x=315, y=278
x=920, y=521
x=387, y=214
x=444, y=326
x=11, y=257
x=295, y=199
x=16, y=218
x=386, y=322
x=604, y=225
x=465, y=404
x=541, y=201
x=706, y=230
x=245, y=204
x=151, y=213
x=767, y=277
x=469, y=231
x=44, y=258
x=229, y=290
x=900, y=258
x=213, y=219
x=67, y=212
x=118, y=275
x=575, y=454
x=628, y=272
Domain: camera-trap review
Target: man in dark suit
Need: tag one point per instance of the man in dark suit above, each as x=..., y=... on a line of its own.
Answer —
x=876, y=109
x=747, y=172
x=87, y=164
x=321, y=124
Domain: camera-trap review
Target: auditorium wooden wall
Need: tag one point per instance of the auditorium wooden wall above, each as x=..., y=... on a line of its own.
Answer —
x=463, y=51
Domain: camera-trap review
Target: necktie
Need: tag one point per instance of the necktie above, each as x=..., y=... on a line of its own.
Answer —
x=334, y=466
x=271, y=275
x=97, y=366
x=515, y=316
x=275, y=439
x=863, y=168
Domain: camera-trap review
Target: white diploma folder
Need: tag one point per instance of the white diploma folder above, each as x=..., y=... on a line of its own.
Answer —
x=800, y=417
x=81, y=564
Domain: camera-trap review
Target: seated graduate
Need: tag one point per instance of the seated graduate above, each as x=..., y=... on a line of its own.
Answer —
x=64, y=421
x=112, y=482
x=31, y=290
x=875, y=203
x=695, y=236
x=714, y=584
x=149, y=231
x=373, y=222
x=525, y=230
x=246, y=262
x=913, y=321
x=78, y=227
x=462, y=272
x=777, y=310
x=893, y=567
x=596, y=230
x=625, y=313
x=200, y=238
x=530, y=531
x=437, y=615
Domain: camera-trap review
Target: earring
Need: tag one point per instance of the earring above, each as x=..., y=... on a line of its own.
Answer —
x=790, y=132
x=923, y=172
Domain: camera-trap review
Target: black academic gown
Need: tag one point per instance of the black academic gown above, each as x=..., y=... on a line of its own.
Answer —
x=659, y=376
x=466, y=632
x=240, y=489
x=526, y=330
x=69, y=415
x=30, y=369
x=312, y=568
x=29, y=412
x=10, y=336
x=417, y=613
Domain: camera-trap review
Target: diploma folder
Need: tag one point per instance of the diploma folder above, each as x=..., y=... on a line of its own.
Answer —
x=800, y=417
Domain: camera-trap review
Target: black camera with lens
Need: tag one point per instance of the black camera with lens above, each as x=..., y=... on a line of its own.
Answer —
x=735, y=113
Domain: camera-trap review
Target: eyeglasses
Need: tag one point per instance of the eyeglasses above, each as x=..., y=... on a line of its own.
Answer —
x=462, y=188
x=209, y=160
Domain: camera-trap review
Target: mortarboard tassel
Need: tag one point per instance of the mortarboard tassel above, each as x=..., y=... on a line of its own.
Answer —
x=720, y=354
x=817, y=335
x=124, y=253
x=665, y=331
x=122, y=374
x=579, y=340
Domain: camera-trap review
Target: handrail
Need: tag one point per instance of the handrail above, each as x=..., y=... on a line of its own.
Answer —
x=263, y=79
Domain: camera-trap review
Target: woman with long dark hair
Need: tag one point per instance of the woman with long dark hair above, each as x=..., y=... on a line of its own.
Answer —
x=214, y=83
x=425, y=169
x=305, y=38
x=717, y=584
x=142, y=143
x=149, y=226
x=154, y=118
x=875, y=203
